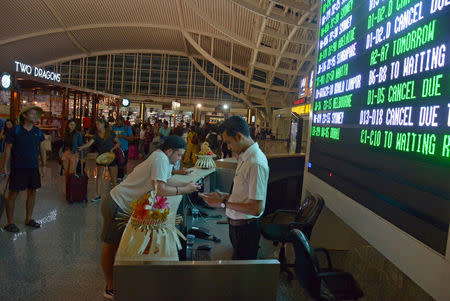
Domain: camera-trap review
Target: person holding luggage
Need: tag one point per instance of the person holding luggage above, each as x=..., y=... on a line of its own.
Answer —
x=157, y=168
x=24, y=145
x=106, y=141
x=72, y=141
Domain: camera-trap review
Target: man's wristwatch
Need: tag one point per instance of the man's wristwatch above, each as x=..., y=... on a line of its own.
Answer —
x=223, y=204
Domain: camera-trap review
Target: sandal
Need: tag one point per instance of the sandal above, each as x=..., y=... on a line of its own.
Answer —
x=12, y=228
x=33, y=223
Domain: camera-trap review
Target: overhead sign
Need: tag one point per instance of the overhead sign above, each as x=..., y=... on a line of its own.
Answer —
x=300, y=101
x=6, y=81
x=125, y=102
x=304, y=109
x=37, y=72
x=175, y=106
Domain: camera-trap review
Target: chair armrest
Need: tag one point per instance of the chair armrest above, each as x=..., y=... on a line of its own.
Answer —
x=335, y=274
x=296, y=225
x=327, y=254
x=281, y=211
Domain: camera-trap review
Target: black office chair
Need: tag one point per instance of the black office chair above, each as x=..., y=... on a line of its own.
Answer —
x=321, y=284
x=305, y=219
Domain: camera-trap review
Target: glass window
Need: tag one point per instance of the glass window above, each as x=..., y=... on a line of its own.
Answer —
x=184, y=64
x=102, y=61
x=182, y=90
x=155, y=77
x=101, y=74
x=90, y=84
x=154, y=88
x=118, y=60
x=92, y=61
x=210, y=92
x=117, y=88
x=117, y=75
x=128, y=75
x=145, y=75
x=101, y=85
x=199, y=79
x=129, y=61
x=183, y=78
x=171, y=90
x=127, y=87
x=173, y=63
x=172, y=77
x=76, y=62
x=143, y=89
x=198, y=92
x=145, y=61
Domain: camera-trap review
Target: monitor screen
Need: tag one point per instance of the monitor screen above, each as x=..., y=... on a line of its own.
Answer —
x=381, y=124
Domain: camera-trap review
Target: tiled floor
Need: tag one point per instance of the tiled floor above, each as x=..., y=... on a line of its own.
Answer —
x=60, y=261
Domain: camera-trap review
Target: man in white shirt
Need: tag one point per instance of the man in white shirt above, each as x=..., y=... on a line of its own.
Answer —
x=157, y=167
x=248, y=198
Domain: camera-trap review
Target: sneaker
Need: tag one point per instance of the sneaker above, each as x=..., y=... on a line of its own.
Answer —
x=108, y=294
x=97, y=198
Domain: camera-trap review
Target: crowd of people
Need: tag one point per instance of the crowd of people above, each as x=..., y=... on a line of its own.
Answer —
x=163, y=149
x=136, y=140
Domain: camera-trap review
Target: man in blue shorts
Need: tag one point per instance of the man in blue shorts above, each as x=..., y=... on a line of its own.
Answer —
x=24, y=145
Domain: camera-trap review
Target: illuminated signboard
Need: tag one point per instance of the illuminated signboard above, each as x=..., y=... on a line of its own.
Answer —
x=37, y=72
x=300, y=101
x=175, y=106
x=125, y=102
x=304, y=109
x=381, y=124
x=5, y=81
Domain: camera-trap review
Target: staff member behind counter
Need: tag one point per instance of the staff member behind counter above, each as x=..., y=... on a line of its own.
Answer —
x=248, y=198
x=158, y=168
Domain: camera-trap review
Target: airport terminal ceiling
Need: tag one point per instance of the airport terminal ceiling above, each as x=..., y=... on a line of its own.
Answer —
x=245, y=50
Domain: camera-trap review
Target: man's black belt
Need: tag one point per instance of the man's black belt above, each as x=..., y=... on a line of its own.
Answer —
x=240, y=222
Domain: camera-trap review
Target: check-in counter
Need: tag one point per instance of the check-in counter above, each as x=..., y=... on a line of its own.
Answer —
x=204, y=277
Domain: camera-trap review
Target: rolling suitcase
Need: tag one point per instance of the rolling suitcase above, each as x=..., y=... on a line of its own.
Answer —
x=133, y=152
x=76, y=189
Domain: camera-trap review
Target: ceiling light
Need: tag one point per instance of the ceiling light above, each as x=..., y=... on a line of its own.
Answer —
x=199, y=105
x=225, y=106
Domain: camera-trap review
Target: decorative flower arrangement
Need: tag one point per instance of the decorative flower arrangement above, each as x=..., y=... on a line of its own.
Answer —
x=149, y=212
x=205, y=157
x=150, y=231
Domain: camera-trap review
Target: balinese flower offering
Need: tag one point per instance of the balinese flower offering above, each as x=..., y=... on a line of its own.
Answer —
x=205, y=157
x=150, y=233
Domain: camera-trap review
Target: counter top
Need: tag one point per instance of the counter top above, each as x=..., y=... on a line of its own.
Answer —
x=195, y=175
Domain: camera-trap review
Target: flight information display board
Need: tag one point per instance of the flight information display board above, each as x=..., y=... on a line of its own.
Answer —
x=381, y=124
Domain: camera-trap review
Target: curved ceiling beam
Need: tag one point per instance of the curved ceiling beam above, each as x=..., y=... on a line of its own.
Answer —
x=291, y=83
x=229, y=91
x=261, y=12
x=222, y=66
x=218, y=84
x=256, y=50
x=238, y=39
x=108, y=52
x=285, y=46
x=64, y=26
x=293, y=4
x=103, y=25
